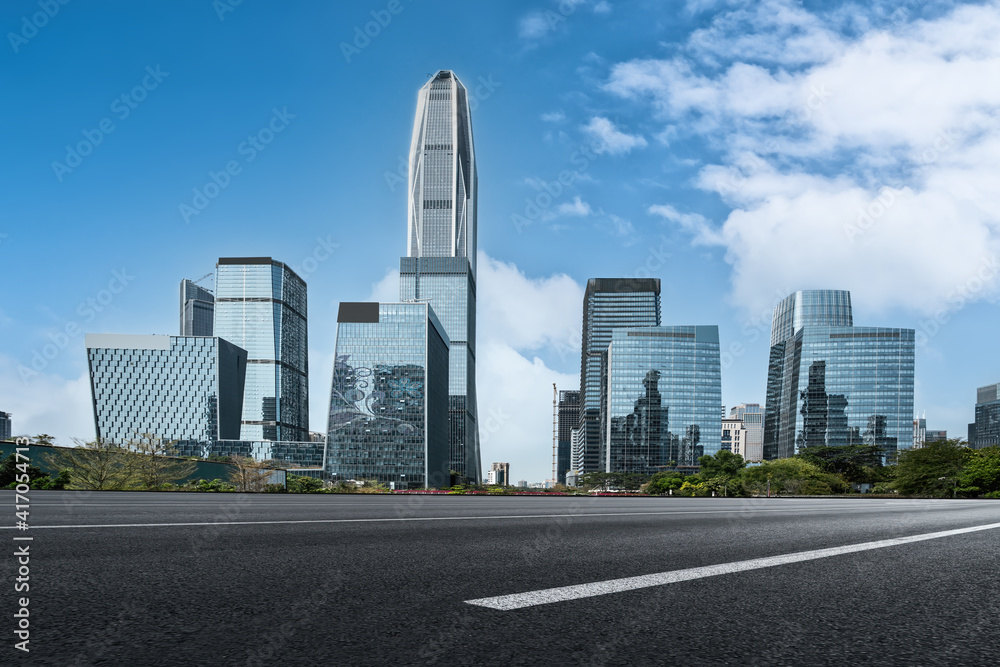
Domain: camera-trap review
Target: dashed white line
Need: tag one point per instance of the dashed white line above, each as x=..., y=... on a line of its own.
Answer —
x=565, y=593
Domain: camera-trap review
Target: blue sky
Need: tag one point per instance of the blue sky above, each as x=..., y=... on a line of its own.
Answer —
x=736, y=150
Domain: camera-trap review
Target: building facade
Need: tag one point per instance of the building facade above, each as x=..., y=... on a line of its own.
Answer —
x=734, y=436
x=664, y=398
x=183, y=388
x=830, y=383
x=608, y=304
x=440, y=266
x=5, y=426
x=499, y=474
x=985, y=431
x=197, y=310
x=388, y=416
x=260, y=305
x=568, y=417
x=919, y=432
x=752, y=417
x=935, y=435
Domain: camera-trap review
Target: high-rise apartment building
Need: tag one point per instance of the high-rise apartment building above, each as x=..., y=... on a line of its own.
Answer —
x=388, y=416
x=568, y=417
x=663, y=398
x=831, y=383
x=499, y=474
x=734, y=436
x=5, y=426
x=440, y=266
x=608, y=304
x=260, y=305
x=197, y=310
x=184, y=388
x=985, y=431
x=752, y=417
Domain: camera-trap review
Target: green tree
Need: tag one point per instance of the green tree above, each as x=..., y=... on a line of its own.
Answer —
x=792, y=475
x=97, y=465
x=664, y=482
x=857, y=464
x=156, y=463
x=11, y=471
x=303, y=484
x=980, y=475
x=722, y=464
x=250, y=475
x=933, y=470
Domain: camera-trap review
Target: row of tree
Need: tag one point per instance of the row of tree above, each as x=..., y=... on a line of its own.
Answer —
x=939, y=469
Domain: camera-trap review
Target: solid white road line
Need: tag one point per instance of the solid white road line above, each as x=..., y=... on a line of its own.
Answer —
x=564, y=593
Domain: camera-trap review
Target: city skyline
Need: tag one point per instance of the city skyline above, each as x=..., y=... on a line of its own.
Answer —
x=693, y=147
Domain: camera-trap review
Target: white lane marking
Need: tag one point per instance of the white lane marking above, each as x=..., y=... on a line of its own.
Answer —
x=419, y=518
x=564, y=593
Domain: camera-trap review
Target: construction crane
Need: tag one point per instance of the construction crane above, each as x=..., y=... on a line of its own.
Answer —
x=207, y=275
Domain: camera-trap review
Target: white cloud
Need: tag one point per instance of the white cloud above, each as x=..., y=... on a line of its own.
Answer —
x=602, y=7
x=47, y=403
x=868, y=164
x=387, y=289
x=554, y=117
x=577, y=207
x=609, y=139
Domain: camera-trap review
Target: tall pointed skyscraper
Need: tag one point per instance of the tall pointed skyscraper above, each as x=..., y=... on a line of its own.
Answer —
x=440, y=266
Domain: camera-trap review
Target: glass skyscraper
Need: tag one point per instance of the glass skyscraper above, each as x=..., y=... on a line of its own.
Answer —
x=197, y=310
x=388, y=415
x=985, y=431
x=830, y=383
x=664, y=398
x=608, y=304
x=260, y=305
x=568, y=419
x=183, y=388
x=440, y=266
x=5, y=426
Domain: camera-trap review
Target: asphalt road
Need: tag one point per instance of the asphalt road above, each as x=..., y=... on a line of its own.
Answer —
x=151, y=579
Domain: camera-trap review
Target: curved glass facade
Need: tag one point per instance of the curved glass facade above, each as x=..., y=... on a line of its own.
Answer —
x=664, y=398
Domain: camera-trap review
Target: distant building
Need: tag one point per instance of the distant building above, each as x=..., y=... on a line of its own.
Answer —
x=185, y=388
x=523, y=484
x=197, y=310
x=608, y=304
x=664, y=398
x=388, y=416
x=936, y=436
x=5, y=426
x=575, y=454
x=831, y=383
x=752, y=417
x=919, y=432
x=260, y=305
x=734, y=436
x=499, y=474
x=568, y=419
x=985, y=431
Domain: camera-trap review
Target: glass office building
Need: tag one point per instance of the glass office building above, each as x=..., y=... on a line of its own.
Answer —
x=664, y=398
x=5, y=426
x=832, y=385
x=985, y=431
x=388, y=417
x=568, y=419
x=305, y=455
x=440, y=266
x=197, y=310
x=173, y=387
x=608, y=304
x=260, y=305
